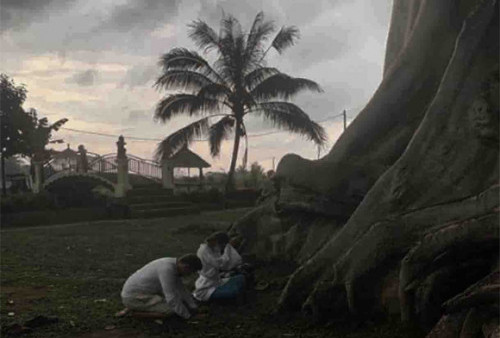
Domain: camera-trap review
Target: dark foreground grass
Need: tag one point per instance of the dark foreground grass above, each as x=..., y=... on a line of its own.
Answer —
x=76, y=272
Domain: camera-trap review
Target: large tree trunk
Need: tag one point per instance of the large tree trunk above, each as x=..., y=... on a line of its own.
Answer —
x=402, y=214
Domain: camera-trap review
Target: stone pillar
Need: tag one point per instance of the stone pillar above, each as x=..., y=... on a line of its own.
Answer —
x=82, y=164
x=167, y=175
x=122, y=184
x=38, y=172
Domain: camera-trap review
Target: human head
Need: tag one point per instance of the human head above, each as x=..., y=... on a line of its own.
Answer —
x=219, y=238
x=188, y=264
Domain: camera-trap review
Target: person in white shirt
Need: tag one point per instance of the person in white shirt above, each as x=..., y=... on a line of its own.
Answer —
x=217, y=254
x=156, y=290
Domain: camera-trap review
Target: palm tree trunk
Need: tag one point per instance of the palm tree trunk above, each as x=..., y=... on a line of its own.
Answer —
x=232, y=167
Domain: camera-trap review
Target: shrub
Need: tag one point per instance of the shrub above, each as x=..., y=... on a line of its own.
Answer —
x=211, y=195
x=27, y=202
x=79, y=192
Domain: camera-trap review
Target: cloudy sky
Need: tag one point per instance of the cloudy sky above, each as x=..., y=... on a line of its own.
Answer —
x=95, y=61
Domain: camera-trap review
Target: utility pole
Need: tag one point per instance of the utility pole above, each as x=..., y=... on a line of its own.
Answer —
x=273, y=163
x=345, y=119
x=319, y=151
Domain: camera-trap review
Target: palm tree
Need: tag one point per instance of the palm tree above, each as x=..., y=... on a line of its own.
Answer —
x=238, y=83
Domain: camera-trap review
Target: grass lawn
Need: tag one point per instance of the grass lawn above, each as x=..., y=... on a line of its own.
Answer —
x=75, y=273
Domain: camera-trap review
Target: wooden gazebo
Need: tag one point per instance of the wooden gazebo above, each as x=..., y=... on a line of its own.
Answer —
x=185, y=158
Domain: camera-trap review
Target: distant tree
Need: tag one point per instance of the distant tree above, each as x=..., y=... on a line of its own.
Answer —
x=237, y=84
x=256, y=174
x=22, y=133
x=13, y=122
x=242, y=170
x=40, y=135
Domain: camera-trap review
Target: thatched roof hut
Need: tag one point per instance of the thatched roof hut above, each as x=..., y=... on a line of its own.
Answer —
x=185, y=158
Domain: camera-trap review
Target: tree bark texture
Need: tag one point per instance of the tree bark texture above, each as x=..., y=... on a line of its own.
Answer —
x=404, y=208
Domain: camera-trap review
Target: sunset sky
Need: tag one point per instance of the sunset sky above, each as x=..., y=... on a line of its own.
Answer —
x=95, y=62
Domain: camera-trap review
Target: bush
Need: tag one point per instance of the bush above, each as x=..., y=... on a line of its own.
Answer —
x=27, y=202
x=213, y=196
x=79, y=192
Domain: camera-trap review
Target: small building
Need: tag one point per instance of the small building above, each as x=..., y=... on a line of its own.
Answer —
x=185, y=158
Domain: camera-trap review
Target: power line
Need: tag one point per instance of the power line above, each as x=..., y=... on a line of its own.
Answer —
x=109, y=135
x=201, y=140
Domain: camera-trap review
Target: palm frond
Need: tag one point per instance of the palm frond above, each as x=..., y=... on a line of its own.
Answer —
x=180, y=138
x=258, y=33
x=282, y=86
x=285, y=38
x=184, y=59
x=257, y=22
x=43, y=122
x=244, y=160
x=287, y=116
x=58, y=124
x=215, y=91
x=239, y=61
x=182, y=79
x=177, y=104
x=219, y=132
x=226, y=64
x=203, y=35
x=230, y=27
x=258, y=75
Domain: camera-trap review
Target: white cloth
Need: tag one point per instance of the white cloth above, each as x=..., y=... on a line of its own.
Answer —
x=234, y=258
x=160, y=277
x=209, y=278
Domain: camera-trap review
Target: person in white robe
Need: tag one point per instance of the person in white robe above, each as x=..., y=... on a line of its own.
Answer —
x=216, y=255
x=157, y=290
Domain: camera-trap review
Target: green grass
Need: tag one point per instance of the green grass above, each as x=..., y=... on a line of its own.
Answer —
x=76, y=272
x=87, y=262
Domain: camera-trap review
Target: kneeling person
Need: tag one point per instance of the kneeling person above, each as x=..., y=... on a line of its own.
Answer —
x=157, y=288
x=217, y=254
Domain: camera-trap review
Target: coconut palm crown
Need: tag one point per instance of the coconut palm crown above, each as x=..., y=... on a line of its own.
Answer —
x=238, y=83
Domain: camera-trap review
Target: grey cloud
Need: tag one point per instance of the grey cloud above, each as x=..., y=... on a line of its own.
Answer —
x=75, y=27
x=283, y=12
x=301, y=13
x=381, y=11
x=317, y=43
x=143, y=15
x=18, y=14
x=139, y=75
x=138, y=115
x=319, y=46
x=85, y=78
x=245, y=11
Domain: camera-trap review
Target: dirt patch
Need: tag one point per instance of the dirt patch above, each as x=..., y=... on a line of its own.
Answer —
x=19, y=299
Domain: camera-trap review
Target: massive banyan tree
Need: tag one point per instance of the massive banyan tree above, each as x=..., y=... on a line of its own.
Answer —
x=401, y=216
